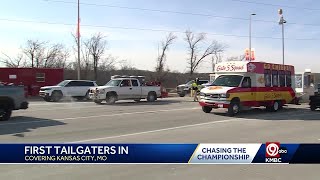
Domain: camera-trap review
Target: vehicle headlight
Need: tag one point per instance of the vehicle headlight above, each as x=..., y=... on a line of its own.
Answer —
x=224, y=95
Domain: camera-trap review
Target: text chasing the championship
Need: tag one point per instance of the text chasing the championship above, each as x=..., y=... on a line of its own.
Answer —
x=76, y=150
x=223, y=156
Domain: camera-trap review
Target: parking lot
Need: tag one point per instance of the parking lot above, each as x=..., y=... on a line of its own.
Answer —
x=171, y=120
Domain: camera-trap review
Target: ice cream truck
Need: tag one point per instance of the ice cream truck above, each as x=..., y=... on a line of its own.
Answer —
x=241, y=85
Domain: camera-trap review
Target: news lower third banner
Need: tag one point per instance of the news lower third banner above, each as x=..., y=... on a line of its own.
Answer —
x=270, y=152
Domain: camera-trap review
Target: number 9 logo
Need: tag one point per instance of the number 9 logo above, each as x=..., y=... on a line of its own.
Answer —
x=272, y=149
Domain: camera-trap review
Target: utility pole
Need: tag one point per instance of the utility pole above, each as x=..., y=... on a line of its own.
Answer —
x=250, y=35
x=281, y=22
x=78, y=36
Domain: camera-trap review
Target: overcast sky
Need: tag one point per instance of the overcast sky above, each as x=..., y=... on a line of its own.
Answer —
x=139, y=47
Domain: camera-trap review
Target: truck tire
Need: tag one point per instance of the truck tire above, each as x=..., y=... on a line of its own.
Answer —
x=234, y=108
x=152, y=96
x=5, y=112
x=98, y=101
x=313, y=107
x=206, y=109
x=182, y=95
x=111, y=98
x=276, y=105
x=56, y=96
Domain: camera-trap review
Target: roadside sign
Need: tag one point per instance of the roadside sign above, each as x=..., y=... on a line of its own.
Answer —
x=247, y=55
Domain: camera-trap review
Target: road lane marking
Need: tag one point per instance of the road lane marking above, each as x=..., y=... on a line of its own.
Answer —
x=41, y=103
x=56, y=103
x=63, y=108
x=159, y=130
x=97, y=116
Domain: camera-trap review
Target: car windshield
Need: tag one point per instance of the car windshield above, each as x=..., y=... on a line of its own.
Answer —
x=228, y=80
x=113, y=83
x=63, y=83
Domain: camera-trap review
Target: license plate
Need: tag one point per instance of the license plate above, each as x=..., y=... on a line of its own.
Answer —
x=220, y=105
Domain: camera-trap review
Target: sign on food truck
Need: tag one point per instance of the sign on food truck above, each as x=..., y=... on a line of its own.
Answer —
x=254, y=67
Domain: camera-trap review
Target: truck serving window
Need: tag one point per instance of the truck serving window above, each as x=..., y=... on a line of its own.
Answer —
x=288, y=79
x=275, y=78
x=267, y=78
x=228, y=80
x=282, y=79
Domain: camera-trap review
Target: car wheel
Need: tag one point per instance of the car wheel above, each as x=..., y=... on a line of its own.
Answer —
x=111, y=99
x=206, y=109
x=5, y=113
x=233, y=109
x=80, y=98
x=181, y=95
x=98, y=101
x=47, y=99
x=86, y=97
x=152, y=97
x=56, y=96
x=313, y=107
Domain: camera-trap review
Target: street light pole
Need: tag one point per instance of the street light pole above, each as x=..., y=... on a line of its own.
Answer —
x=281, y=22
x=250, y=36
x=78, y=36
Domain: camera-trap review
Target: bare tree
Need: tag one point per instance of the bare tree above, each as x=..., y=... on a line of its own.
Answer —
x=61, y=59
x=126, y=65
x=55, y=56
x=96, y=46
x=215, y=59
x=194, y=50
x=85, y=62
x=108, y=63
x=162, y=57
x=34, y=51
x=13, y=62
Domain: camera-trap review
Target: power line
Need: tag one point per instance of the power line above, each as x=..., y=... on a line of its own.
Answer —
x=175, y=12
x=148, y=29
x=276, y=5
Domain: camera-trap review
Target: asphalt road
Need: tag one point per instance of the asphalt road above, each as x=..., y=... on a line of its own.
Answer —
x=172, y=120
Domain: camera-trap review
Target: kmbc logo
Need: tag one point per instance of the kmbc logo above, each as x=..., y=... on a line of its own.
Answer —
x=274, y=151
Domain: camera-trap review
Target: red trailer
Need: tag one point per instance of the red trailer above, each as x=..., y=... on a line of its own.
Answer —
x=32, y=78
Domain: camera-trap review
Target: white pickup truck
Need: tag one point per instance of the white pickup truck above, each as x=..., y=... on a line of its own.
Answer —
x=124, y=89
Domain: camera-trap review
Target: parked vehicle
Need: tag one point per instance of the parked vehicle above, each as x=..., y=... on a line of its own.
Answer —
x=241, y=85
x=314, y=102
x=11, y=98
x=184, y=89
x=78, y=89
x=124, y=89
